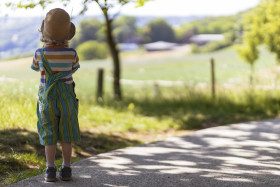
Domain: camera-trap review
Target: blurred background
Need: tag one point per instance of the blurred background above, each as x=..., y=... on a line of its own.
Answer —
x=183, y=66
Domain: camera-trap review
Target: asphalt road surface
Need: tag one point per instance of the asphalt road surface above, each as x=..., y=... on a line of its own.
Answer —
x=235, y=155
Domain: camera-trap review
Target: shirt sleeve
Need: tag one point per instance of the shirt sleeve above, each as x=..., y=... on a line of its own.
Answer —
x=35, y=63
x=76, y=64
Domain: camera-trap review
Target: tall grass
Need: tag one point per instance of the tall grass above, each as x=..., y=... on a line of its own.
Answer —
x=141, y=110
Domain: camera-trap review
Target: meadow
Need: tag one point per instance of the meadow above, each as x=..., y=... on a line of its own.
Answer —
x=142, y=116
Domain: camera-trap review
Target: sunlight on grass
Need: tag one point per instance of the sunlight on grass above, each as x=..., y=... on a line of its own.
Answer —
x=26, y=165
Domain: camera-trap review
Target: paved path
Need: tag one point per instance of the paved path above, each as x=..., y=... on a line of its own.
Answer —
x=234, y=155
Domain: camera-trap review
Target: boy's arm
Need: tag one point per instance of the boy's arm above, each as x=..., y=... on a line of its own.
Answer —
x=76, y=64
x=35, y=64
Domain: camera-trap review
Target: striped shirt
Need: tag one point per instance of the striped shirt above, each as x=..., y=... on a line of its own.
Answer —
x=60, y=59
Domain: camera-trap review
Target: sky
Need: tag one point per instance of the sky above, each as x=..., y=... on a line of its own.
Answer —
x=153, y=8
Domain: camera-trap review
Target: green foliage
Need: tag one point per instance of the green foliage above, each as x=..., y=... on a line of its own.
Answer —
x=44, y=3
x=183, y=36
x=209, y=25
x=143, y=33
x=89, y=29
x=195, y=48
x=19, y=166
x=92, y=50
x=214, y=46
x=28, y=4
x=261, y=26
x=125, y=29
x=248, y=52
x=140, y=3
x=160, y=30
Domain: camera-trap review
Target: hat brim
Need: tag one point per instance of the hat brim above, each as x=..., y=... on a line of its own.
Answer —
x=72, y=31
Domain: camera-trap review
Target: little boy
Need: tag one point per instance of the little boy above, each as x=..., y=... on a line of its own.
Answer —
x=57, y=107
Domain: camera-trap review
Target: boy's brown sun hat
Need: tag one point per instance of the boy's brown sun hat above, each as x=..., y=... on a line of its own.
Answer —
x=57, y=26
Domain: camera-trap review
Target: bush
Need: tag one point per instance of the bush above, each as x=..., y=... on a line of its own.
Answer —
x=160, y=30
x=92, y=50
x=195, y=48
x=89, y=29
x=214, y=46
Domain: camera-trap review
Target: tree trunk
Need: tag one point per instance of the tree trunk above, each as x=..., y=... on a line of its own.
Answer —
x=115, y=55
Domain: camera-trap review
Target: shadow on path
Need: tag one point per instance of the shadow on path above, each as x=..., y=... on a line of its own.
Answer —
x=235, y=155
x=21, y=152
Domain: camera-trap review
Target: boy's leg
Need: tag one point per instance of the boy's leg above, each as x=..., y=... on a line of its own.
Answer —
x=50, y=175
x=50, y=155
x=66, y=153
x=66, y=172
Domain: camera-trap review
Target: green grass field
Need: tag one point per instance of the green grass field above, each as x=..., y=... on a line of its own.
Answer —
x=141, y=115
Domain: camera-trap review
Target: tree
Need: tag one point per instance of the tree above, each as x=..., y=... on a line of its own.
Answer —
x=89, y=29
x=183, y=36
x=160, y=30
x=208, y=25
x=106, y=6
x=261, y=26
x=125, y=29
x=250, y=54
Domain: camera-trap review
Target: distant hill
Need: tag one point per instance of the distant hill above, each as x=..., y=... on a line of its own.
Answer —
x=20, y=35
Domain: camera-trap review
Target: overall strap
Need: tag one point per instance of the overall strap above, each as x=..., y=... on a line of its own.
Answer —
x=47, y=67
x=52, y=78
x=46, y=63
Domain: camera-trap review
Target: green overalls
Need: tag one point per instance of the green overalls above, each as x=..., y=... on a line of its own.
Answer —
x=57, y=109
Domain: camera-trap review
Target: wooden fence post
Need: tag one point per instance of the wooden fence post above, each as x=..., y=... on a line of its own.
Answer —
x=156, y=90
x=213, y=81
x=99, y=95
